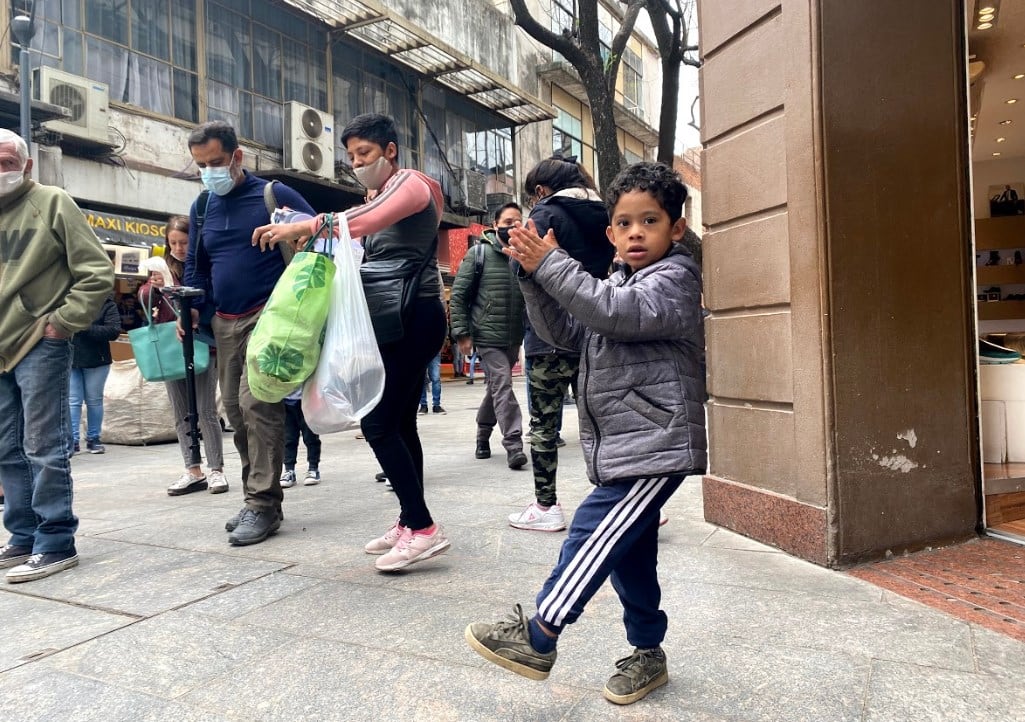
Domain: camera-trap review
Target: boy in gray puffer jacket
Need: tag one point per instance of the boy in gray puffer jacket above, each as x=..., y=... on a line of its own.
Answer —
x=642, y=422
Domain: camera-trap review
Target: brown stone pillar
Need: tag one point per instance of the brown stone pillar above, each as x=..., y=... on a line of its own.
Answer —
x=842, y=417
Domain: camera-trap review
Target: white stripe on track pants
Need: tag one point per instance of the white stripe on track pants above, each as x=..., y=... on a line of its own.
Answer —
x=614, y=533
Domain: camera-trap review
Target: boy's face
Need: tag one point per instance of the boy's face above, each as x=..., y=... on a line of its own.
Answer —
x=641, y=230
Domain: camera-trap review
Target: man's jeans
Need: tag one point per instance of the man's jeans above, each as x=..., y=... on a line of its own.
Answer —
x=34, y=433
x=87, y=385
x=434, y=379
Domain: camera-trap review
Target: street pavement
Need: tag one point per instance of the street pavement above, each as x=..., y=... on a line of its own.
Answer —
x=163, y=620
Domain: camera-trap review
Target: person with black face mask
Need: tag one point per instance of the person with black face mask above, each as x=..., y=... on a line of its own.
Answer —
x=487, y=312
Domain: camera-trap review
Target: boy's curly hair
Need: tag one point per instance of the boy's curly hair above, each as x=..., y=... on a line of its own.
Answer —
x=658, y=179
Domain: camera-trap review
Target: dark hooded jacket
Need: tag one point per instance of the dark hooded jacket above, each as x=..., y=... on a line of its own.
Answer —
x=579, y=220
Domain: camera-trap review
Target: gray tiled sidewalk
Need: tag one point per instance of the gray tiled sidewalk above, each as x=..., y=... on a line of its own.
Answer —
x=164, y=621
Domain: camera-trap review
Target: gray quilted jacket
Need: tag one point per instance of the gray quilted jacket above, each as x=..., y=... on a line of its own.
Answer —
x=642, y=368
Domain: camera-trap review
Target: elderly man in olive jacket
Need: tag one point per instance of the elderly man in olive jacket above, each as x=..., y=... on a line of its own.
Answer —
x=487, y=312
x=54, y=277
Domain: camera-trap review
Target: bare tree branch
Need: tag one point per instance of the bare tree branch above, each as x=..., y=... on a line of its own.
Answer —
x=693, y=119
x=559, y=43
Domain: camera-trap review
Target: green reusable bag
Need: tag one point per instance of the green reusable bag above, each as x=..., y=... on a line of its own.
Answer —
x=285, y=346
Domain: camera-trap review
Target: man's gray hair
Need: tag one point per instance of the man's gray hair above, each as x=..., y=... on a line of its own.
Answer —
x=20, y=147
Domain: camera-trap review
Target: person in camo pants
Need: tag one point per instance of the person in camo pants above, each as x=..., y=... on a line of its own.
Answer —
x=566, y=203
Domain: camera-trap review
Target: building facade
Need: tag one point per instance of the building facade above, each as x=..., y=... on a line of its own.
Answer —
x=477, y=102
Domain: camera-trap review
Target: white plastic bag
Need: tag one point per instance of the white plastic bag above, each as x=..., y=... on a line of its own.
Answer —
x=349, y=378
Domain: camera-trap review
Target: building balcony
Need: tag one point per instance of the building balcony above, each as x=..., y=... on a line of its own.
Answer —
x=631, y=119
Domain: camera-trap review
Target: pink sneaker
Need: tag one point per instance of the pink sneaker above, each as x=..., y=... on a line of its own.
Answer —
x=384, y=544
x=412, y=548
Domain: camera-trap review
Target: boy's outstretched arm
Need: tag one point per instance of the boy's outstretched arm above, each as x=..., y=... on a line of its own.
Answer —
x=665, y=304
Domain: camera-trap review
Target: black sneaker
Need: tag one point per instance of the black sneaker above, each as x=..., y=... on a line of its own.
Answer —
x=75, y=449
x=423, y=408
x=438, y=410
x=380, y=476
x=93, y=446
x=12, y=556
x=483, y=449
x=638, y=674
x=470, y=382
x=507, y=644
x=42, y=565
x=232, y=523
x=516, y=459
x=559, y=442
x=254, y=526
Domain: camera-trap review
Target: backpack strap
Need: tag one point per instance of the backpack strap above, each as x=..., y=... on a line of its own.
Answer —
x=270, y=202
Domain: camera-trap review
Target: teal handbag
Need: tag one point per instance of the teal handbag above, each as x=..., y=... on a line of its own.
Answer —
x=158, y=352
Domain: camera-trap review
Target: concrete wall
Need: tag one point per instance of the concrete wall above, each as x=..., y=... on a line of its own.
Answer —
x=827, y=438
x=766, y=414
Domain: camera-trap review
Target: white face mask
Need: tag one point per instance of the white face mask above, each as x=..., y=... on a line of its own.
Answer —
x=11, y=181
x=374, y=175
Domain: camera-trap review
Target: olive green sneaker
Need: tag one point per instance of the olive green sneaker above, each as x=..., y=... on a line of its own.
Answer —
x=507, y=644
x=638, y=674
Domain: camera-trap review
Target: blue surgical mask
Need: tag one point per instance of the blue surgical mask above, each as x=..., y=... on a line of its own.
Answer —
x=218, y=180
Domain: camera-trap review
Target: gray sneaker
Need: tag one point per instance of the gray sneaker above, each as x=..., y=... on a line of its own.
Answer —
x=638, y=674
x=507, y=644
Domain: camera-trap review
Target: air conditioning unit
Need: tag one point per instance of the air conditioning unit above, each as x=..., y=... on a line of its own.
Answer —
x=86, y=99
x=497, y=200
x=309, y=140
x=472, y=195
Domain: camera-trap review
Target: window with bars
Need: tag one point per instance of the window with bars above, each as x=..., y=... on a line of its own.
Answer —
x=567, y=133
x=144, y=50
x=258, y=56
x=632, y=76
x=564, y=15
x=363, y=83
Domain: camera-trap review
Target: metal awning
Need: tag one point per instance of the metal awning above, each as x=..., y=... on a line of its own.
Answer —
x=10, y=111
x=566, y=77
x=382, y=30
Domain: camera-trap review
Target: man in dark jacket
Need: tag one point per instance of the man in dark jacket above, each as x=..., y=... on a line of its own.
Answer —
x=487, y=311
x=223, y=258
x=90, y=365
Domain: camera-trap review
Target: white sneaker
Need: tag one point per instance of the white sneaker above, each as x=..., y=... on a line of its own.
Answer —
x=186, y=484
x=538, y=519
x=218, y=484
x=287, y=479
x=312, y=477
x=383, y=544
x=412, y=548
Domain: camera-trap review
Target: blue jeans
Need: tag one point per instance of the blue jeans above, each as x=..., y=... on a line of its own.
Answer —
x=87, y=385
x=34, y=433
x=474, y=360
x=434, y=379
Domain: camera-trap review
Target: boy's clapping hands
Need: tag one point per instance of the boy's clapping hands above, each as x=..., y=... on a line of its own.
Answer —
x=527, y=247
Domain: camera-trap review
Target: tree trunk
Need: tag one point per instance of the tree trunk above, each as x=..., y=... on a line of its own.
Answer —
x=669, y=114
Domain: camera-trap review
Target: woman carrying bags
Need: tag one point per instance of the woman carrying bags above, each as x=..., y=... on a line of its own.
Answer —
x=169, y=271
x=399, y=226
